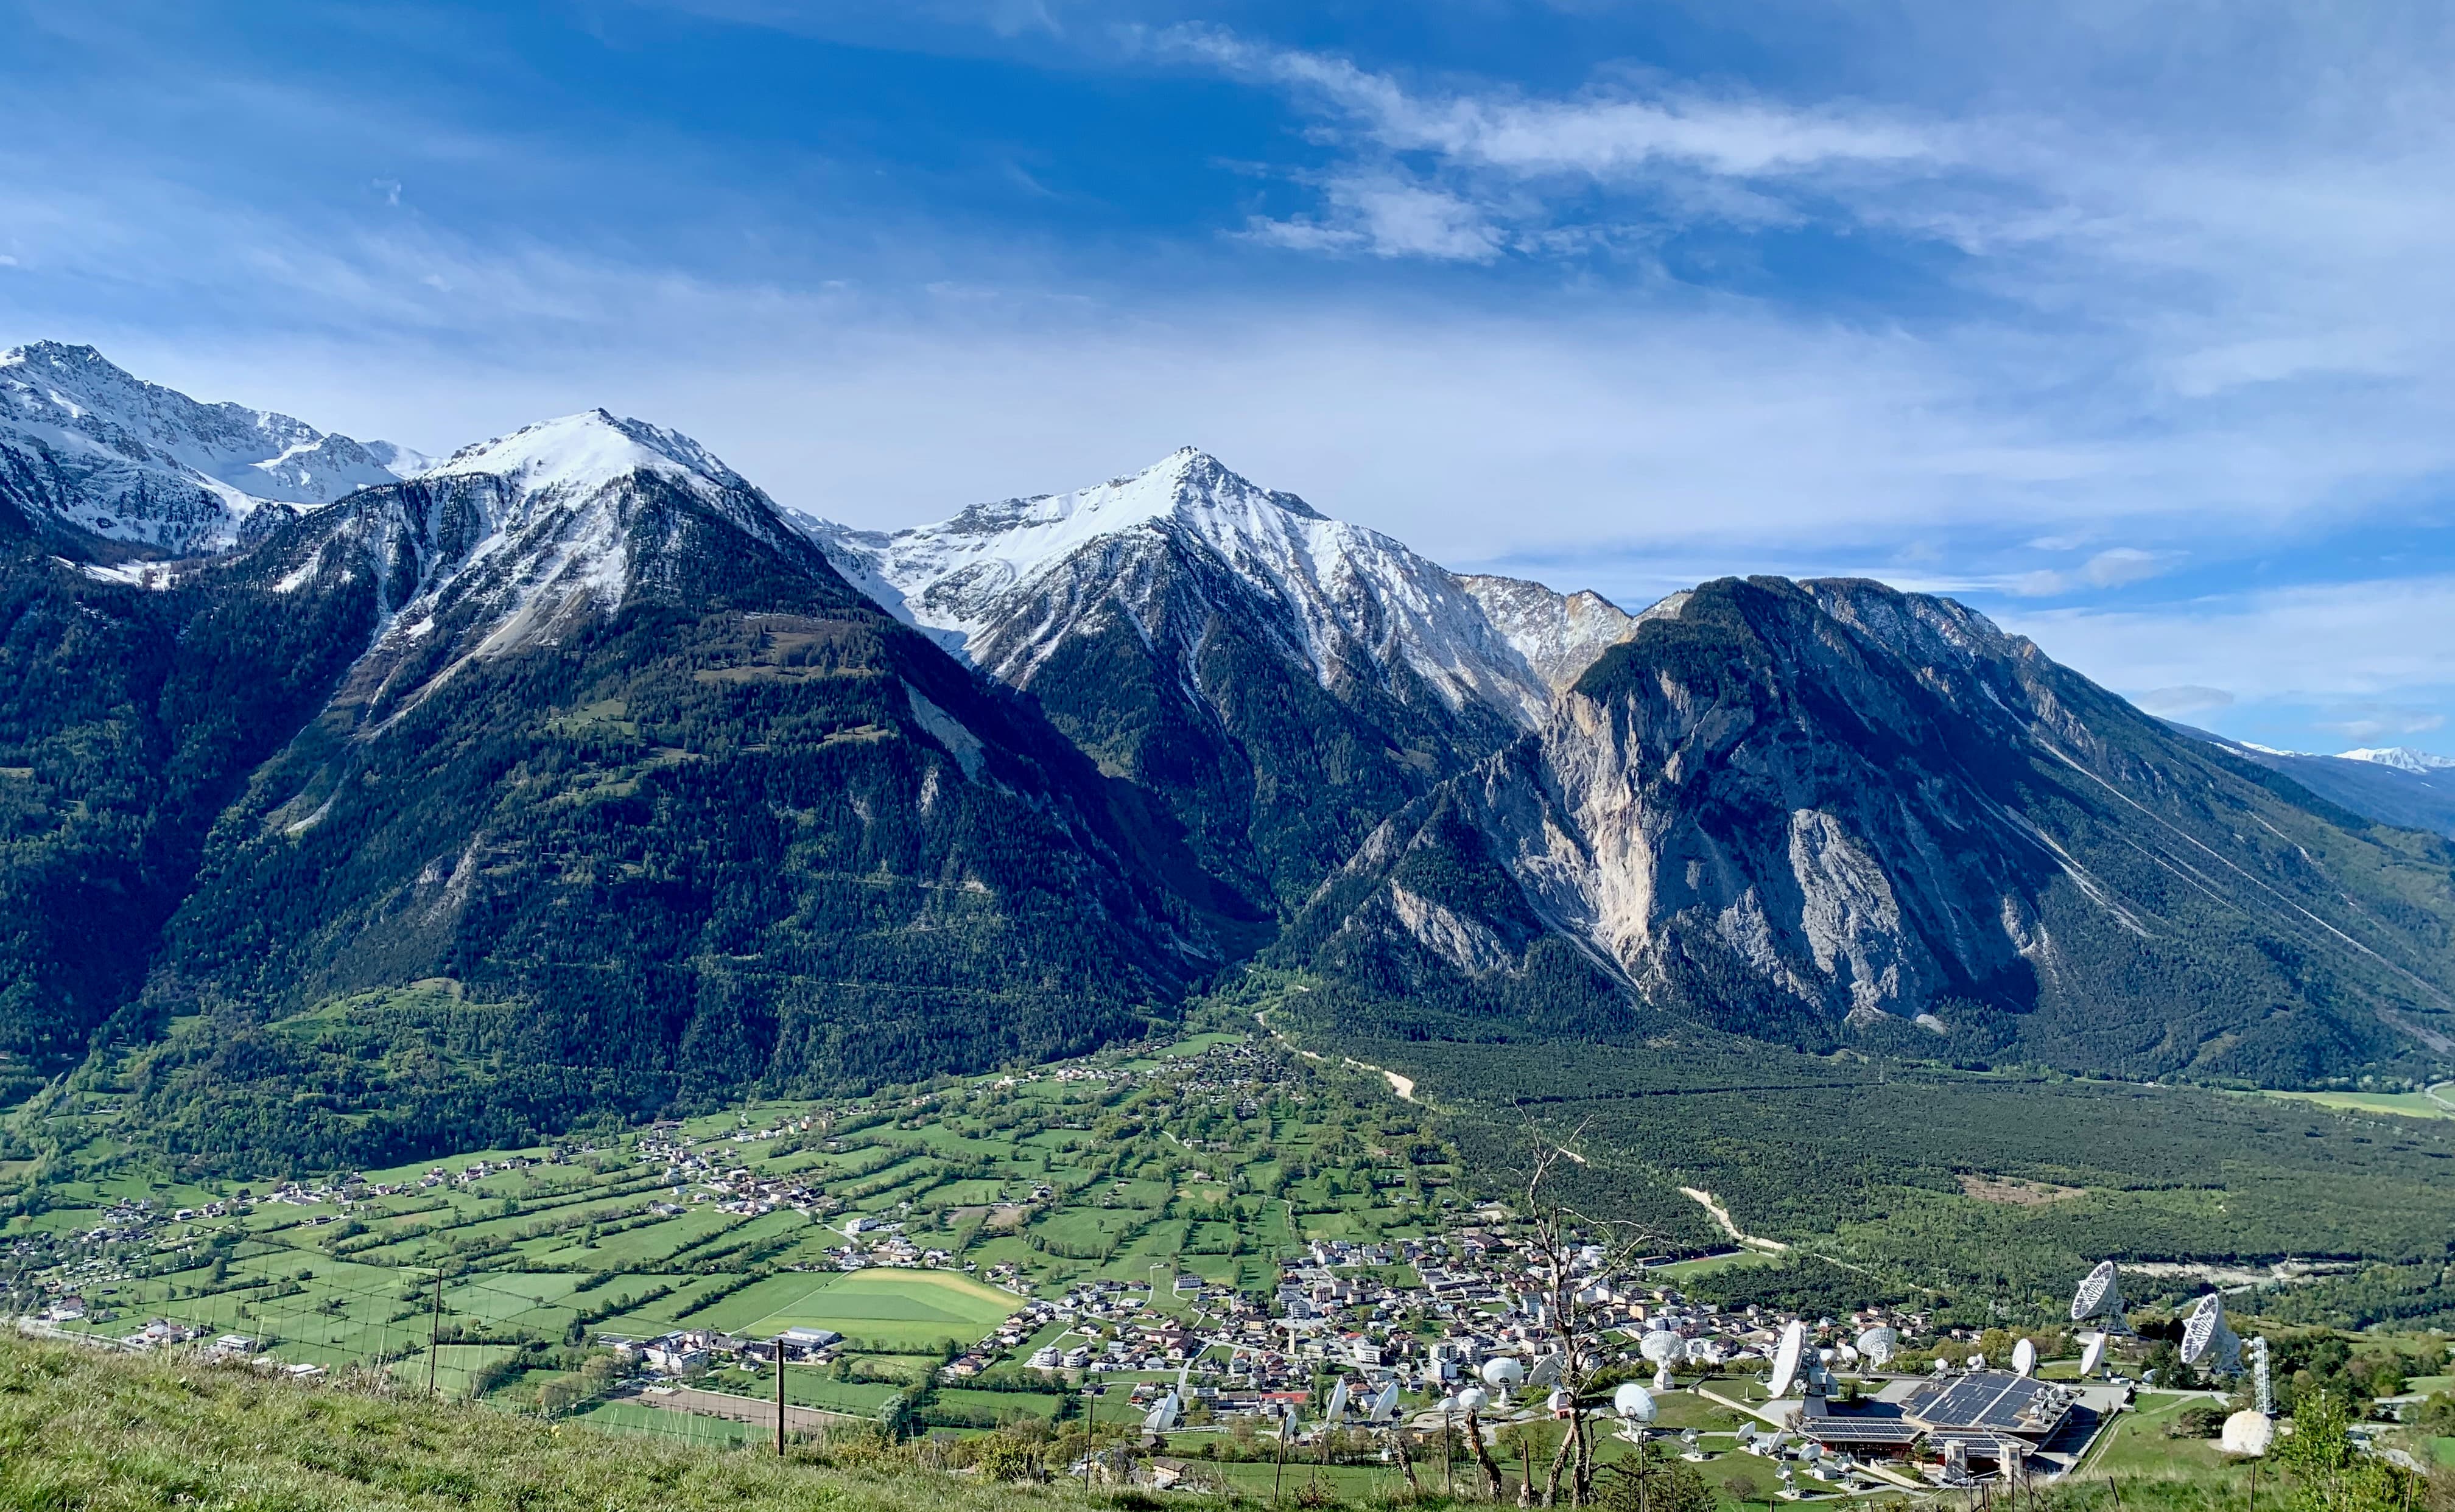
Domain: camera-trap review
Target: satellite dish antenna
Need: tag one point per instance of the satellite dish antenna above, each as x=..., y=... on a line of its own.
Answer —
x=1785, y=1359
x=1474, y=1398
x=2093, y=1356
x=1635, y=1403
x=2025, y=1358
x=2207, y=1339
x=1337, y=1407
x=1976, y=1361
x=1163, y=1417
x=1879, y=1343
x=1384, y=1405
x=1849, y=1354
x=1545, y=1371
x=2100, y=1296
x=1659, y=1347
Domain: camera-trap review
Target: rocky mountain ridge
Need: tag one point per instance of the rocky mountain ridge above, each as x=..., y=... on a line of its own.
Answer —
x=1800, y=810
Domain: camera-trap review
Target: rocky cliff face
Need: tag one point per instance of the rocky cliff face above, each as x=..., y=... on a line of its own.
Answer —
x=1822, y=809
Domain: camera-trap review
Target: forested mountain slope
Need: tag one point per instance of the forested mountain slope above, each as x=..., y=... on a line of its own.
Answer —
x=627, y=753
x=1282, y=680
x=1825, y=811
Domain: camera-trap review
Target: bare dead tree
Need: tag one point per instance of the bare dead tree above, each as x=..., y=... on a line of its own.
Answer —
x=1492, y=1480
x=1555, y=1235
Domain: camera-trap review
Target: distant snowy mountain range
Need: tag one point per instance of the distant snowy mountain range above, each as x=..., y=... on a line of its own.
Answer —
x=133, y=461
x=2392, y=784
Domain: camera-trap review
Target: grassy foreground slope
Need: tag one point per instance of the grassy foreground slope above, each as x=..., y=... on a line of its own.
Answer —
x=100, y=1432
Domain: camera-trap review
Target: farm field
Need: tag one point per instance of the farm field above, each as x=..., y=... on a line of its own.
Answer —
x=908, y=1222
x=2409, y=1105
x=880, y=1307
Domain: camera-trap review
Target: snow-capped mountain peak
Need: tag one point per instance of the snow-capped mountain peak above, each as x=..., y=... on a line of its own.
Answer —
x=1005, y=583
x=2404, y=759
x=88, y=442
x=579, y=452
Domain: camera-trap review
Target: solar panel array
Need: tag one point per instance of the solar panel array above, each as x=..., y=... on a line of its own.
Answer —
x=1991, y=1401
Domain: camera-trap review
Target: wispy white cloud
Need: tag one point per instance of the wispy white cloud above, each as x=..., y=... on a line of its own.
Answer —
x=2356, y=647
x=2184, y=701
x=2107, y=569
x=1600, y=134
x=1390, y=218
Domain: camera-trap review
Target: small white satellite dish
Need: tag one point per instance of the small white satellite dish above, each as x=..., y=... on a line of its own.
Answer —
x=1942, y=1364
x=1849, y=1354
x=1337, y=1406
x=1384, y=1404
x=1976, y=1361
x=1545, y=1371
x=1635, y=1403
x=2025, y=1358
x=2092, y=1356
x=1502, y=1372
x=1161, y=1418
x=1659, y=1347
x=1878, y=1344
x=1785, y=1359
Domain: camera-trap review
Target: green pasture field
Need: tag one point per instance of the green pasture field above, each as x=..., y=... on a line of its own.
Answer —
x=1688, y=1270
x=2137, y=1445
x=2408, y=1104
x=877, y=1306
x=1006, y=1405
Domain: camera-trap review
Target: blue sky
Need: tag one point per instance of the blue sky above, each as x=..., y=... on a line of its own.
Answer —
x=2128, y=323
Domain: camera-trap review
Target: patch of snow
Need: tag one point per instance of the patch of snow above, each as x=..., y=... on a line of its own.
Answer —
x=589, y=450
x=2404, y=759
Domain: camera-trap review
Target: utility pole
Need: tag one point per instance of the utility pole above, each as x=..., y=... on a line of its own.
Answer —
x=1449, y=1462
x=1278, y=1477
x=779, y=1396
x=1090, y=1431
x=435, y=1332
